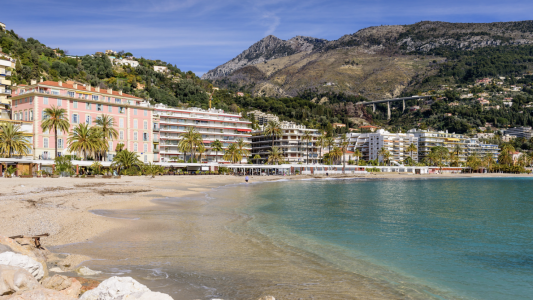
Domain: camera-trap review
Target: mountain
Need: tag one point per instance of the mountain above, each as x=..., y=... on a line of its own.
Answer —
x=375, y=62
x=266, y=49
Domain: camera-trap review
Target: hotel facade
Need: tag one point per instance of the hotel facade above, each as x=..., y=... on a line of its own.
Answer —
x=369, y=144
x=84, y=104
x=212, y=124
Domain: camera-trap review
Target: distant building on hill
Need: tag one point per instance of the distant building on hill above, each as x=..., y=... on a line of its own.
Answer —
x=2, y=26
x=524, y=132
x=338, y=125
x=110, y=52
x=263, y=118
x=161, y=69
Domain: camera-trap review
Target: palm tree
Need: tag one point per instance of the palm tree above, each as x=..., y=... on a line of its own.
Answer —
x=273, y=129
x=329, y=142
x=232, y=154
x=241, y=146
x=454, y=160
x=336, y=153
x=320, y=143
x=344, y=142
x=307, y=137
x=488, y=160
x=85, y=140
x=107, y=126
x=275, y=156
x=12, y=140
x=439, y=155
x=385, y=154
x=119, y=147
x=189, y=140
x=126, y=159
x=473, y=162
x=357, y=153
x=201, y=150
x=506, y=156
x=56, y=119
x=217, y=147
x=412, y=148
x=96, y=167
x=153, y=169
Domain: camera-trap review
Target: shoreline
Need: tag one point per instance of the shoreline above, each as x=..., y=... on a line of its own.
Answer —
x=69, y=205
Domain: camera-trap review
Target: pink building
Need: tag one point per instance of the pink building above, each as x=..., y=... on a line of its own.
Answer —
x=84, y=104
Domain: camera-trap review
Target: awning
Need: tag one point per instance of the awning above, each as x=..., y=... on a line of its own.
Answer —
x=245, y=130
x=453, y=140
x=85, y=93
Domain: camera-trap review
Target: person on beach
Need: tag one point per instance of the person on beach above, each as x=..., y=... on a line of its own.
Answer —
x=246, y=178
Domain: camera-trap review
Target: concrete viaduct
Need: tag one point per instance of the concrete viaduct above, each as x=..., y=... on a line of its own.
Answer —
x=373, y=103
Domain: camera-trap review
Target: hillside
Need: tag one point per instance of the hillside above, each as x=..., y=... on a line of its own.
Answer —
x=375, y=62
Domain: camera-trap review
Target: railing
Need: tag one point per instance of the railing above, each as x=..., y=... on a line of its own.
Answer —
x=6, y=73
x=156, y=150
x=155, y=128
x=155, y=139
x=7, y=92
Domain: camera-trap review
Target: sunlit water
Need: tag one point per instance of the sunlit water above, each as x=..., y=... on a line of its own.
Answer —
x=426, y=239
x=454, y=238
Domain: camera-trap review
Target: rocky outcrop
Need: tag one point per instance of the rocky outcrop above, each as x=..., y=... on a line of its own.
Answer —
x=15, y=279
x=87, y=284
x=14, y=259
x=145, y=296
x=27, y=247
x=113, y=288
x=65, y=285
x=41, y=294
x=84, y=271
x=266, y=49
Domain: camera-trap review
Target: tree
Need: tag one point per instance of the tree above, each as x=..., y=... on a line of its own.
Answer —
x=189, y=140
x=12, y=140
x=126, y=159
x=275, y=156
x=55, y=119
x=344, y=142
x=506, y=154
x=307, y=137
x=201, y=150
x=412, y=148
x=232, y=154
x=321, y=143
x=329, y=142
x=241, y=146
x=385, y=154
x=336, y=153
x=357, y=153
x=273, y=129
x=85, y=140
x=63, y=163
x=217, y=147
x=439, y=155
x=473, y=162
x=488, y=161
x=96, y=167
x=107, y=126
x=153, y=169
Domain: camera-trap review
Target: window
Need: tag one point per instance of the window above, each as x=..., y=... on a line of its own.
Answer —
x=75, y=119
x=45, y=100
x=145, y=113
x=145, y=148
x=110, y=108
x=145, y=158
x=145, y=137
x=45, y=143
x=95, y=97
x=135, y=136
x=59, y=102
x=99, y=107
x=110, y=146
x=31, y=115
x=70, y=94
x=121, y=110
x=75, y=104
x=117, y=100
x=134, y=111
x=121, y=135
x=59, y=143
x=88, y=106
x=55, y=92
x=88, y=119
x=31, y=100
x=44, y=116
x=26, y=116
x=108, y=99
x=135, y=123
x=135, y=147
x=121, y=123
x=145, y=124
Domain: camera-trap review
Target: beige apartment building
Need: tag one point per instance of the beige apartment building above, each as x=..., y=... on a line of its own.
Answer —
x=6, y=65
x=370, y=144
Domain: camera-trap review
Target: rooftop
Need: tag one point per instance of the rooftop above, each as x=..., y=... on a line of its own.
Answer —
x=84, y=88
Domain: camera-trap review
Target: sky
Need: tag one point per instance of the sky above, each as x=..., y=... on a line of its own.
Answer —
x=199, y=35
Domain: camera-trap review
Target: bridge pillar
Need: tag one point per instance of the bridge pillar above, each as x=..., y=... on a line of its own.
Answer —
x=403, y=105
x=388, y=110
x=374, y=107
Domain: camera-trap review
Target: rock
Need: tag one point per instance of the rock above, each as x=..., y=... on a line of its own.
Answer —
x=26, y=246
x=16, y=247
x=267, y=298
x=67, y=286
x=145, y=296
x=41, y=294
x=29, y=264
x=84, y=271
x=114, y=287
x=87, y=284
x=14, y=279
x=56, y=270
x=5, y=248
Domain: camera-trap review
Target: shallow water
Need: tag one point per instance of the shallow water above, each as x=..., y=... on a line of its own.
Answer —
x=334, y=239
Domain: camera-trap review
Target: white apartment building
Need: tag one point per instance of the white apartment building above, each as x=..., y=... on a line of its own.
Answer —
x=160, y=69
x=263, y=118
x=294, y=149
x=469, y=145
x=124, y=62
x=213, y=124
x=6, y=64
x=371, y=143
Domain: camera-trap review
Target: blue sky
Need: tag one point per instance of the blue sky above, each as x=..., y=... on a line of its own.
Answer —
x=199, y=35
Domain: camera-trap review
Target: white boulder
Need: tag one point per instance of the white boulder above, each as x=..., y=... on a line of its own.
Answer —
x=145, y=296
x=113, y=288
x=84, y=271
x=14, y=279
x=18, y=260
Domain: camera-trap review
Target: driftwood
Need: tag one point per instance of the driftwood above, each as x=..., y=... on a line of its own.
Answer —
x=36, y=238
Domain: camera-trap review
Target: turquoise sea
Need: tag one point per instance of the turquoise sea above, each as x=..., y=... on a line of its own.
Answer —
x=447, y=238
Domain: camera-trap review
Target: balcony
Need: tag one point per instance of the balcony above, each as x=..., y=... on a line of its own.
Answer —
x=6, y=73
x=155, y=139
x=5, y=92
x=156, y=150
x=156, y=128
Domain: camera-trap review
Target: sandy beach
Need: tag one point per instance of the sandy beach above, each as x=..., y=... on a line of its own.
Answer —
x=62, y=207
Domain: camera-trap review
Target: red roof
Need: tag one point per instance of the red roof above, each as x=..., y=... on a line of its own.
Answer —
x=368, y=126
x=82, y=88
